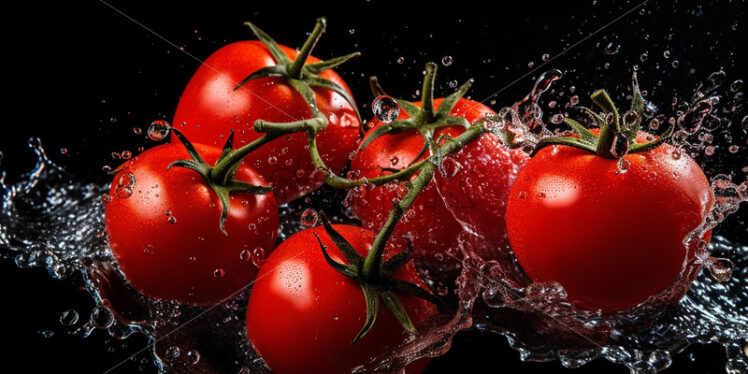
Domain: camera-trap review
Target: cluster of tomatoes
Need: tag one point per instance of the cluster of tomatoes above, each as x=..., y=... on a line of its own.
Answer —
x=196, y=220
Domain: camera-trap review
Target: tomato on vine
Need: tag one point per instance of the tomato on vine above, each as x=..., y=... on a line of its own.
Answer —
x=307, y=305
x=184, y=231
x=606, y=213
x=470, y=189
x=253, y=80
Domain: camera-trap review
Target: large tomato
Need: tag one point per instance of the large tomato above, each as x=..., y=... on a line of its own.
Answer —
x=474, y=184
x=611, y=238
x=163, y=228
x=302, y=314
x=210, y=107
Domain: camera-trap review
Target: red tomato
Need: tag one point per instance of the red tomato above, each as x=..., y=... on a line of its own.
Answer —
x=302, y=314
x=611, y=239
x=163, y=228
x=474, y=183
x=210, y=107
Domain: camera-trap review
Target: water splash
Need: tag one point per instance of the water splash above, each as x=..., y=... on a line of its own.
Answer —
x=49, y=219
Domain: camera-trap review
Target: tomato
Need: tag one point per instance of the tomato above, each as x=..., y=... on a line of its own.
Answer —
x=210, y=107
x=474, y=183
x=612, y=239
x=163, y=228
x=303, y=314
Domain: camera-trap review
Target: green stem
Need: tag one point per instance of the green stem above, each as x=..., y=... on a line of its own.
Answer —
x=427, y=92
x=374, y=257
x=223, y=166
x=306, y=50
x=608, y=131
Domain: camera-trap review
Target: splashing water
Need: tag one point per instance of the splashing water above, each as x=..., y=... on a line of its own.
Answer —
x=51, y=220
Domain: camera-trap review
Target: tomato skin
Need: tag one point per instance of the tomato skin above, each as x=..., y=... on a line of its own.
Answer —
x=209, y=108
x=178, y=261
x=429, y=223
x=611, y=239
x=302, y=314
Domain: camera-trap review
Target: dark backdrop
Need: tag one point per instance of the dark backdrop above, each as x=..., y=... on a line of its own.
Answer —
x=81, y=76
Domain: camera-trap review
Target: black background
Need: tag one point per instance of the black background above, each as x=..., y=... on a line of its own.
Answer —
x=81, y=76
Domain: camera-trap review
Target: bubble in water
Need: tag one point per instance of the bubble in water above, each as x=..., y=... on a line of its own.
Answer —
x=545, y=57
x=158, y=130
x=453, y=83
x=385, y=108
x=309, y=217
x=400, y=60
x=137, y=130
x=612, y=48
x=101, y=317
x=447, y=61
x=125, y=185
x=245, y=255
x=69, y=317
x=644, y=57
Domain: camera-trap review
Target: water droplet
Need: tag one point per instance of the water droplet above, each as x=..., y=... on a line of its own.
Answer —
x=245, y=255
x=733, y=148
x=272, y=160
x=123, y=192
x=47, y=333
x=193, y=357
x=612, y=48
x=172, y=220
x=173, y=352
x=126, y=154
x=666, y=54
x=644, y=56
x=447, y=61
x=557, y=118
x=309, y=217
x=352, y=31
x=258, y=256
x=452, y=83
x=219, y=273
x=574, y=100
x=545, y=57
x=63, y=151
x=101, y=317
x=69, y=317
x=137, y=130
x=158, y=130
x=385, y=109
x=709, y=150
x=400, y=60
x=736, y=85
x=623, y=165
x=675, y=63
x=720, y=269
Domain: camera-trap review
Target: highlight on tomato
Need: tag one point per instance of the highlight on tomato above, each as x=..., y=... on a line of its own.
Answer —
x=606, y=212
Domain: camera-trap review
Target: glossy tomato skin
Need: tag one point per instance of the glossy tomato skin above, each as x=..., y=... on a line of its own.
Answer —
x=474, y=182
x=611, y=239
x=210, y=107
x=165, y=234
x=302, y=314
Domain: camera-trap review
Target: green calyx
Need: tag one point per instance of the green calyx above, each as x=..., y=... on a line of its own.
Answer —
x=617, y=133
x=425, y=119
x=300, y=75
x=377, y=284
x=220, y=177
